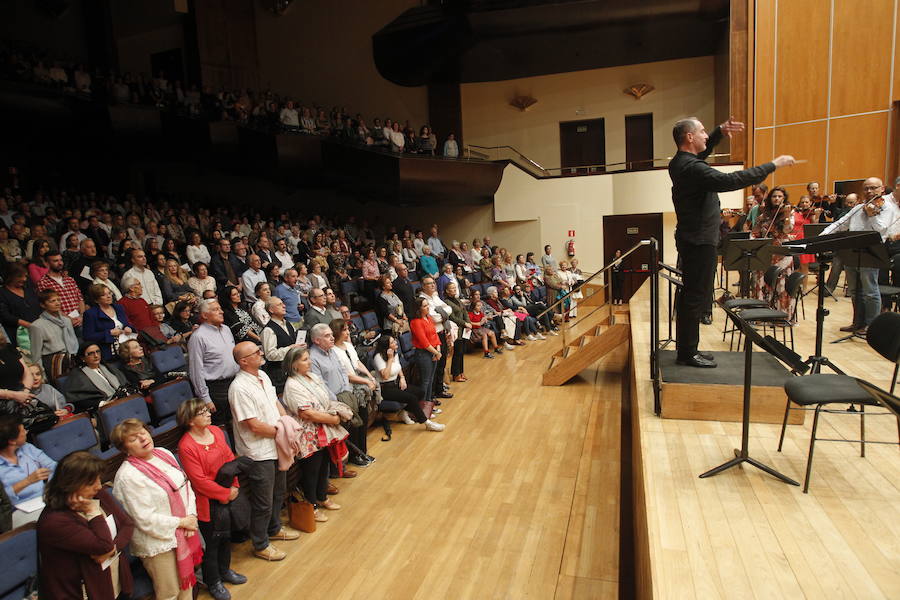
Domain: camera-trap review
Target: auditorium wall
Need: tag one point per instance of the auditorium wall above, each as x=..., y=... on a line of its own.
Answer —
x=683, y=88
x=60, y=34
x=321, y=52
x=825, y=79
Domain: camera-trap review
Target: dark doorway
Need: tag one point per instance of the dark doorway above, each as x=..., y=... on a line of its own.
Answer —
x=582, y=144
x=621, y=232
x=169, y=62
x=639, y=142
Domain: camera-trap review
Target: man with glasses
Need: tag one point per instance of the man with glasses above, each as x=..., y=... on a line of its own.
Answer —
x=256, y=411
x=318, y=310
x=212, y=366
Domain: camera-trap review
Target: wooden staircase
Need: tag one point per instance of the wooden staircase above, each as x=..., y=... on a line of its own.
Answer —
x=592, y=342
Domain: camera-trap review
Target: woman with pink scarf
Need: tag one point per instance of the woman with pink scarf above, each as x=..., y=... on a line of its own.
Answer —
x=158, y=497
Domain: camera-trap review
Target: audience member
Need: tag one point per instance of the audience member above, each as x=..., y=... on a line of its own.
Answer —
x=211, y=365
x=440, y=314
x=256, y=410
x=394, y=386
x=242, y=325
x=83, y=554
x=150, y=290
x=154, y=491
x=100, y=273
x=137, y=310
x=19, y=304
x=23, y=467
x=104, y=323
x=203, y=451
x=90, y=383
x=71, y=301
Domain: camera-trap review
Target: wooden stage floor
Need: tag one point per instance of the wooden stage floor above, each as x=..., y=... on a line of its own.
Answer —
x=743, y=534
x=518, y=498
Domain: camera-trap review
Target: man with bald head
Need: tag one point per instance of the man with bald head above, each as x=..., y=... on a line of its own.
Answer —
x=695, y=188
x=256, y=411
x=212, y=366
x=875, y=213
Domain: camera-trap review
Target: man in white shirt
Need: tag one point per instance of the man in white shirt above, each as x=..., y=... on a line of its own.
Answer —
x=437, y=247
x=439, y=311
x=73, y=229
x=256, y=410
x=152, y=294
x=278, y=336
x=251, y=277
x=282, y=255
x=875, y=214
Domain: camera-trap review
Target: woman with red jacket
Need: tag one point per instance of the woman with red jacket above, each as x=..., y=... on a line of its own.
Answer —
x=74, y=537
x=203, y=450
x=427, y=344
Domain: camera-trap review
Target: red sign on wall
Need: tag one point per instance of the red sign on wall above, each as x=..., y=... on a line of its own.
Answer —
x=571, y=233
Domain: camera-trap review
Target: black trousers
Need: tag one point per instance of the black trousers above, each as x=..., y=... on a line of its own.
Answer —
x=314, y=476
x=218, y=393
x=409, y=398
x=217, y=555
x=457, y=365
x=440, y=366
x=698, y=267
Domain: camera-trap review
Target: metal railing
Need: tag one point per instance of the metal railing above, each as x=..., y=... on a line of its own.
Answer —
x=605, y=268
x=498, y=153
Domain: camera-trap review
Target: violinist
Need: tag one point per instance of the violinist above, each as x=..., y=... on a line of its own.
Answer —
x=757, y=198
x=776, y=221
x=875, y=214
x=804, y=214
x=826, y=203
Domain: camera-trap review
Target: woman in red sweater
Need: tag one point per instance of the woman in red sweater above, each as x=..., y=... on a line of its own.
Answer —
x=427, y=344
x=203, y=450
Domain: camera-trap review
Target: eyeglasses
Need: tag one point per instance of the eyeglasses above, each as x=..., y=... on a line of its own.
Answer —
x=92, y=353
x=255, y=352
x=202, y=412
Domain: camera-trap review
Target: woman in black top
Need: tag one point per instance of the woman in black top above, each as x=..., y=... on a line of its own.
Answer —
x=19, y=304
x=181, y=320
x=242, y=325
x=15, y=379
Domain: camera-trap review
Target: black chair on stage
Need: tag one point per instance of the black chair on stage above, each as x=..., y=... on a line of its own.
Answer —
x=890, y=294
x=794, y=288
x=763, y=314
x=818, y=391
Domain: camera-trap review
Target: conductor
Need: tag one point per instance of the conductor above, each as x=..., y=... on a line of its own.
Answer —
x=695, y=187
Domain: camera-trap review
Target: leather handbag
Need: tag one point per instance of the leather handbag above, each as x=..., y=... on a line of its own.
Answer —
x=301, y=513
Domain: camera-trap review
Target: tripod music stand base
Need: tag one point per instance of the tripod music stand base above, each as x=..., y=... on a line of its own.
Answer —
x=848, y=337
x=741, y=459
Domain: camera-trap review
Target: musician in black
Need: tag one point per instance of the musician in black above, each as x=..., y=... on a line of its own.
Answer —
x=695, y=187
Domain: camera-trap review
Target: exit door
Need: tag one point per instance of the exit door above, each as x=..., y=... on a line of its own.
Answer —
x=621, y=232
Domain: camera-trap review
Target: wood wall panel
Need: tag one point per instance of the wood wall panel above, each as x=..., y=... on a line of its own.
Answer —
x=802, y=60
x=805, y=141
x=862, y=44
x=896, y=95
x=765, y=63
x=858, y=147
x=762, y=150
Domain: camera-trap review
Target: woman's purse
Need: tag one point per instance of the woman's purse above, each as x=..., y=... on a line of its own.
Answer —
x=37, y=417
x=301, y=514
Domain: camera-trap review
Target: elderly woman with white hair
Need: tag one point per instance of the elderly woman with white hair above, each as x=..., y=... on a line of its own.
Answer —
x=136, y=308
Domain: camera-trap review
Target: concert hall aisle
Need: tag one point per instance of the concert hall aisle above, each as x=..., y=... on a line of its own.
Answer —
x=513, y=500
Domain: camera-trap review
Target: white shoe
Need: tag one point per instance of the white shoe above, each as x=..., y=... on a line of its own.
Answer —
x=432, y=426
x=553, y=332
x=530, y=337
x=541, y=336
x=405, y=418
x=509, y=346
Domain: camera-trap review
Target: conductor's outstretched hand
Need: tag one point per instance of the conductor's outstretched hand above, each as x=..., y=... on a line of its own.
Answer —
x=731, y=126
x=785, y=160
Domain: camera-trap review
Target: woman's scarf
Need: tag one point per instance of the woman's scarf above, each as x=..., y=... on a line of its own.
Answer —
x=188, y=553
x=106, y=383
x=68, y=333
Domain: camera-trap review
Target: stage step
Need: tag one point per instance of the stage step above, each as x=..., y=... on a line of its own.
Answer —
x=587, y=350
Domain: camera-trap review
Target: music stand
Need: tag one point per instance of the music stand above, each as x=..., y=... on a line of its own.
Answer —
x=676, y=282
x=747, y=255
x=721, y=250
x=811, y=230
x=751, y=336
x=873, y=256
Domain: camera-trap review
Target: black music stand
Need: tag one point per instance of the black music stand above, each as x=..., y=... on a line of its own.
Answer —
x=747, y=255
x=721, y=250
x=873, y=256
x=811, y=230
x=741, y=456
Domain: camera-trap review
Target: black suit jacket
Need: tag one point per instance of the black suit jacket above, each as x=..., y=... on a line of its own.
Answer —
x=406, y=294
x=695, y=187
x=217, y=269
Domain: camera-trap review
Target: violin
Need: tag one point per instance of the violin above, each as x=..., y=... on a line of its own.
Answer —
x=874, y=206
